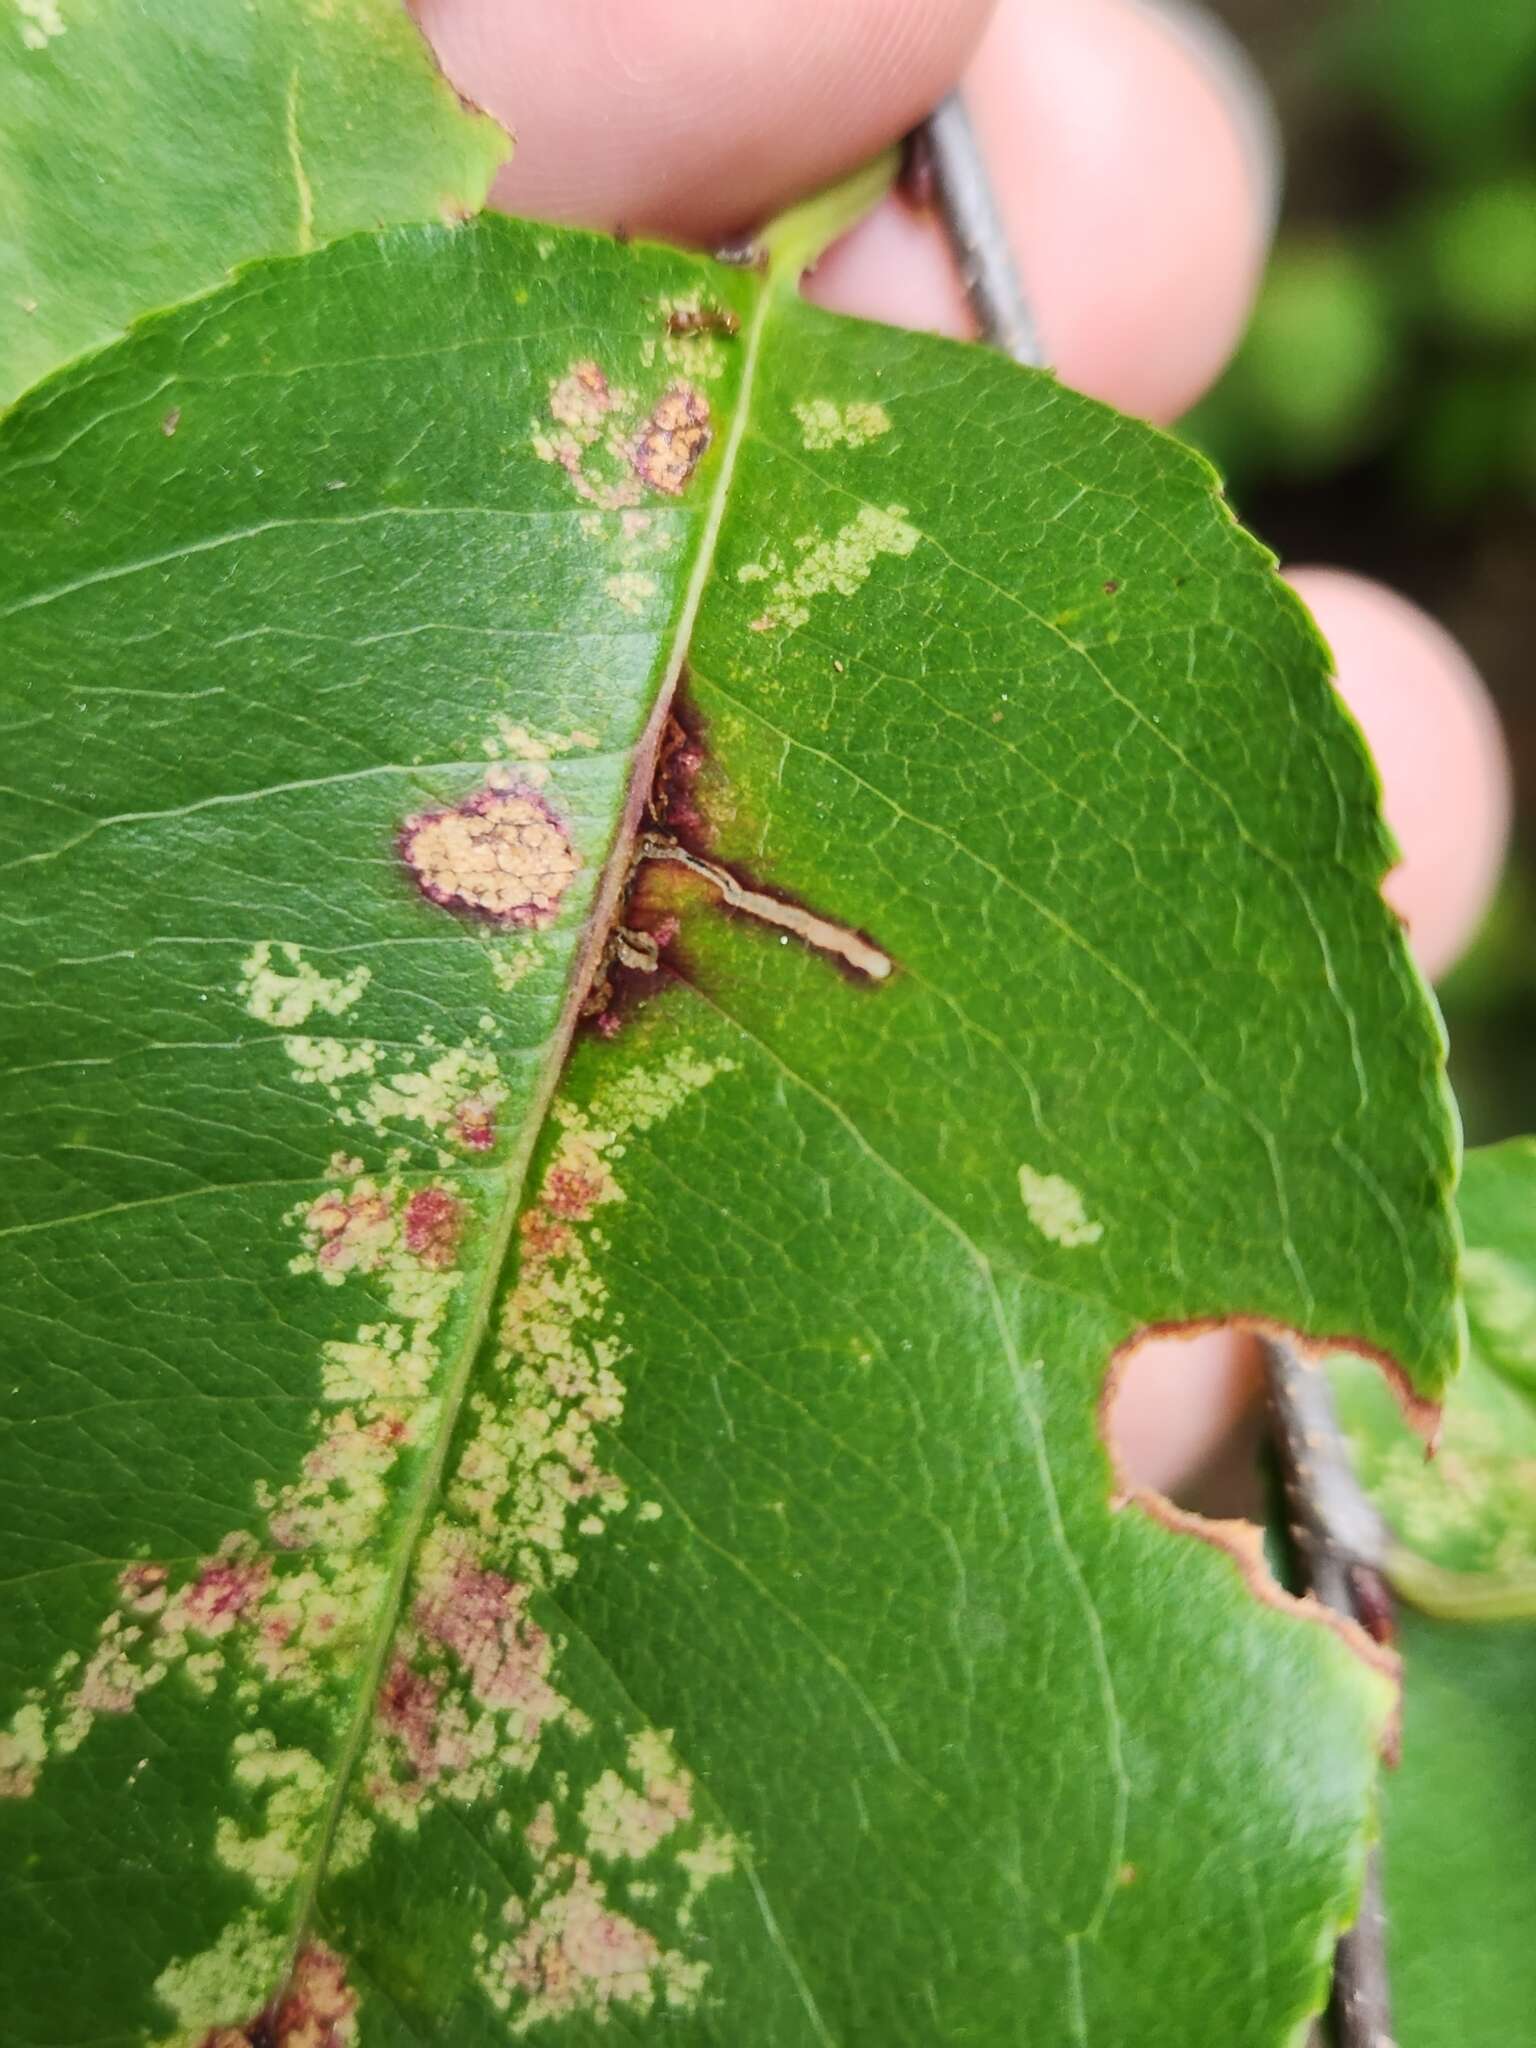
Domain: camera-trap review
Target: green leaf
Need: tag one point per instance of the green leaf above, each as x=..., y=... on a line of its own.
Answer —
x=1464, y=1520
x=1459, y=1852
x=146, y=150
x=644, y=1553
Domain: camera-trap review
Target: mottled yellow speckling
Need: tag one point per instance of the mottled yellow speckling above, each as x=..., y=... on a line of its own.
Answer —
x=327, y=1062
x=1501, y=1302
x=574, y=1955
x=204, y=1669
x=23, y=1752
x=285, y=991
x=524, y=744
x=1055, y=1207
x=512, y=964
x=527, y=1485
x=434, y=1096
x=41, y=21
x=691, y=342
x=585, y=431
x=235, y=1976
x=824, y=424
x=291, y=1786
x=837, y=565
x=631, y=590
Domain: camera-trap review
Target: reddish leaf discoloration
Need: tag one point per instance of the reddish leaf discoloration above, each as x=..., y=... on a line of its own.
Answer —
x=354, y=1230
x=434, y=1223
x=501, y=854
x=474, y=1124
x=581, y=1955
x=543, y=1238
x=671, y=444
x=480, y=1618
x=315, y=2010
x=223, y=1589
x=407, y=1707
x=571, y=1194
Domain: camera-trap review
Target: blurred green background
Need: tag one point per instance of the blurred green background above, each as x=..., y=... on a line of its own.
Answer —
x=1381, y=414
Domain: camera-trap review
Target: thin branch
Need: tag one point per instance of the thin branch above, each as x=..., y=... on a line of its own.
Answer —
x=1340, y=1544
x=968, y=202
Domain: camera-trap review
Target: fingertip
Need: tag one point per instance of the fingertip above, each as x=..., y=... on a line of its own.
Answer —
x=687, y=119
x=1180, y=1417
x=1435, y=736
x=1135, y=164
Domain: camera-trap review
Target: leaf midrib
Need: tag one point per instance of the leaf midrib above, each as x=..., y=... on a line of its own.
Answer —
x=605, y=903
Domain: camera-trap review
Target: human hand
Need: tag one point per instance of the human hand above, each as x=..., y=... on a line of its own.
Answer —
x=1136, y=167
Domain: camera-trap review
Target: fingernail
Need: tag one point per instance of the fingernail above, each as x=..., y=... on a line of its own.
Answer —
x=1237, y=78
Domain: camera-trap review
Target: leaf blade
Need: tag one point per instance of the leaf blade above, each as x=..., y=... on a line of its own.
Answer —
x=204, y=140
x=927, y=1072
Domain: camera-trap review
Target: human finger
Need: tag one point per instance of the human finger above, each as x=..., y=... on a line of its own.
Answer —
x=687, y=118
x=1136, y=167
x=1430, y=723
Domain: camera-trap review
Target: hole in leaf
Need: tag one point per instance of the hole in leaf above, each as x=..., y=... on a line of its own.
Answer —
x=1184, y=1418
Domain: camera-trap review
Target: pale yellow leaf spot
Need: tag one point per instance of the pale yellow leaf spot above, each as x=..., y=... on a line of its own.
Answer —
x=235, y=1977
x=824, y=424
x=1056, y=1209
x=23, y=1752
x=284, y=991
x=41, y=21
x=838, y=565
x=631, y=590
x=1501, y=1303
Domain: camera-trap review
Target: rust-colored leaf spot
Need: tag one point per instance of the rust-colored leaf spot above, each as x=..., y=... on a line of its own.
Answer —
x=474, y=1123
x=581, y=397
x=669, y=447
x=434, y=1223
x=702, y=320
x=501, y=854
x=571, y=1194
x=314, y=2011
x=543, y=1238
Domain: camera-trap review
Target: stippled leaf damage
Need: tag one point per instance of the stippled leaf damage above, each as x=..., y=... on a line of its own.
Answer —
x=554, y=1477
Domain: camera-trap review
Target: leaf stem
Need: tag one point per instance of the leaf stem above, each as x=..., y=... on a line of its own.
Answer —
x=1340, y=1544
x=799, y=238
x=974, y=222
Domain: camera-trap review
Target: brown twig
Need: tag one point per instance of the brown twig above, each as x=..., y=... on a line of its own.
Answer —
x=967, y=201
x=1339, y=1545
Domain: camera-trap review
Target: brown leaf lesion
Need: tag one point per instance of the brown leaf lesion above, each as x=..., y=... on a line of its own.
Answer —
x=642, y=942
x=316, y=2008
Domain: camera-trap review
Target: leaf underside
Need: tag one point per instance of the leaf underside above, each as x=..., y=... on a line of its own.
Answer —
x=640, y=1559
